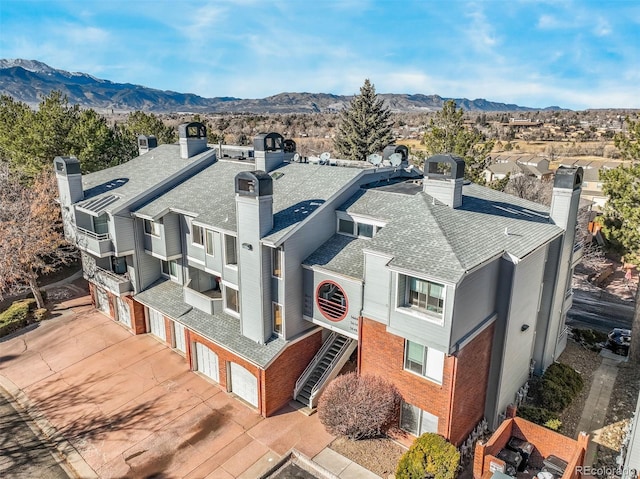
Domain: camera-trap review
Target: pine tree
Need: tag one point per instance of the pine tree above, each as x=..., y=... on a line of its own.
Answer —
x=622, y=214
x=365, y=126
x=448, y=134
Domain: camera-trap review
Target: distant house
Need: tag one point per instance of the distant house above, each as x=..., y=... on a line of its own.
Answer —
x=503, y=164
x=267, y=273
x=592, y=184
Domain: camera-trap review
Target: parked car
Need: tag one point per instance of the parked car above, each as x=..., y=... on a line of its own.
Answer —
x=619, y=341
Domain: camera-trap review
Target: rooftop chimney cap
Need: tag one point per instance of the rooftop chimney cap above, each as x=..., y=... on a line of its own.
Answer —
x=194, y=129
x=254, y=183
x=393, y=148
x=147, y=141
x=66, y=165
x=268, y=142
x=568, y=178
x=446, y=166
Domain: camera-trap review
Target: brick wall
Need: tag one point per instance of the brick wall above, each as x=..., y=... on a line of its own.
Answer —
x=281, y=376
x=92, y=293
x=382, y=354
x=545, y=441
x=168, y=331
x=470, y=385
x=136, y=311
x=112, y=304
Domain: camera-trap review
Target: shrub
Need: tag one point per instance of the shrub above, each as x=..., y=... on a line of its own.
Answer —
x=554, y=396
x=553, y=424
x=15, y=317
x=359, y=407
x=565, y=375
x=430, y=455
x=40, y=314
x=536, y=415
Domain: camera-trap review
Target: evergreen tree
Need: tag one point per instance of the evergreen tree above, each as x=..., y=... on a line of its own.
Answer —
x=365, y=126
x=622, y=214
x=448, y=134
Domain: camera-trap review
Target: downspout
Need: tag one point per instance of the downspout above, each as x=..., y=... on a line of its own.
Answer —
x=452, y=397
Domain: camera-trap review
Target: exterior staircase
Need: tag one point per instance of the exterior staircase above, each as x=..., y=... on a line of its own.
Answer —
x=324, y=366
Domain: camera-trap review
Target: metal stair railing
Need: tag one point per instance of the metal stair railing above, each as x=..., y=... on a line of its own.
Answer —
x=311, y=366
x=329, y=369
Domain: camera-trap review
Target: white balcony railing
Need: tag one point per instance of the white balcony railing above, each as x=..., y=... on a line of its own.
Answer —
x=95, y=243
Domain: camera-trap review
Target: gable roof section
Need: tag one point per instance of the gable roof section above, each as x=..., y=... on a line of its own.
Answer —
x=428, y=237
x=210, y=195
x=128, y=181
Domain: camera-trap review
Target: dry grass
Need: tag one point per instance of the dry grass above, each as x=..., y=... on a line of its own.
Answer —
x=380, y=456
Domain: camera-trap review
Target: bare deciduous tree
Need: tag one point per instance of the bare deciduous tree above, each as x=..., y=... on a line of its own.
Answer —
x=31, y=240
x=530, y=188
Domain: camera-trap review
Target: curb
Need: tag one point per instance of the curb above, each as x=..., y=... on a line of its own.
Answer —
x=64, y=453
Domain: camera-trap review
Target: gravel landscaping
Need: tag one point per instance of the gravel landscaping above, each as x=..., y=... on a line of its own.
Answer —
x=380, y=455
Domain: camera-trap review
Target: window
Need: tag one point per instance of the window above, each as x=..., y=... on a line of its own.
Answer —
x=424, y=361
x=210, y=250
x=151, y=228
x=197, y=235
x=365, y=230
x=118, y=265
x=425, y=295
x=230, y=250
x=170, y=268
x=346, y=226
x=232, y=299
x=100, y=225
x=277, y=318
x=416, y=421
x=276, y=262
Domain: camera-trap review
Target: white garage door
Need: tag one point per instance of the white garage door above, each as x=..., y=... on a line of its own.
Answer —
x=207, y=362
x=156, y=324
x=178, y=336
x=102, y=300
x=244, y=384
x=123, y=312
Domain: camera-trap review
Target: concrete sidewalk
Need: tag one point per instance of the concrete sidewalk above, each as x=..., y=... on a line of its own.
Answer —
x=595, y=408
x=128, y=406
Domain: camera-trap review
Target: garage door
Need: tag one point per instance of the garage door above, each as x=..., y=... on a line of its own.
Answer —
x=207, y=362
x=156, y=324
x=123, y=312
x=244, y=384
x=178, y=336
x=102, y=300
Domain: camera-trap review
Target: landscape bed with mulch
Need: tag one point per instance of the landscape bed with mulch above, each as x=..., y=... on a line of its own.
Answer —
x=380, y=455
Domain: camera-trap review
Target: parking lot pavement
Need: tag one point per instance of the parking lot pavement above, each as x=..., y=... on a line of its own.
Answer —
x=131, y=407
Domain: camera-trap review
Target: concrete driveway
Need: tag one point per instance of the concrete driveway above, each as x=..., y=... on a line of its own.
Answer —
x=131, y=408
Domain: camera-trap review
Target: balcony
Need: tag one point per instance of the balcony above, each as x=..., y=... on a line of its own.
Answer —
x=115, y=283
x=209, y=301
x=97, y=244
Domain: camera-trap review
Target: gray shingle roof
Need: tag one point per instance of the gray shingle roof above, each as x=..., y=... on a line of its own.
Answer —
x=296, y=194
x=167, y=297
x=341, y=254
x=130, y=179
x=443, y=242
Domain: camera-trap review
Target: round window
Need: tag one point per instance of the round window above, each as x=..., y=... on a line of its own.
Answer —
x=332, y=301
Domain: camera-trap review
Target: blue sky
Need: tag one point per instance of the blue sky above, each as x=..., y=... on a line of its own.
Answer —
x=573, y=53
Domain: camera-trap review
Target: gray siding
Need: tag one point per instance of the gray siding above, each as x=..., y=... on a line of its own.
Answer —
x=377, y=288
x=423, y=331
x=121, y=229
x=83, y=220
x=193, y=251
x=171, y=234
x=544, y=315
x=475, y=300
x=148, y=270
x=518, y=344
x=353, y=292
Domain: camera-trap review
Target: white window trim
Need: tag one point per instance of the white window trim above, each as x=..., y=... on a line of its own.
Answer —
x=425, y=315
x=226, y=308
x=206, y=242
x=273, y=322
x=428, y=378
x=356, y=219
x=202, y=228
x=420, y=418
x=224, y=246
x=154, y=224
x=169, y=261
x=273, y=250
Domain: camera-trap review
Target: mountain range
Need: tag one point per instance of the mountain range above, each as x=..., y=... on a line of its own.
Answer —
x=29, y=80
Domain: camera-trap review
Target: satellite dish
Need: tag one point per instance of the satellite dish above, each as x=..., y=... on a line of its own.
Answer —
x=296, y=158
x=324, y=157
x=374, y=159
x=395, y=159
